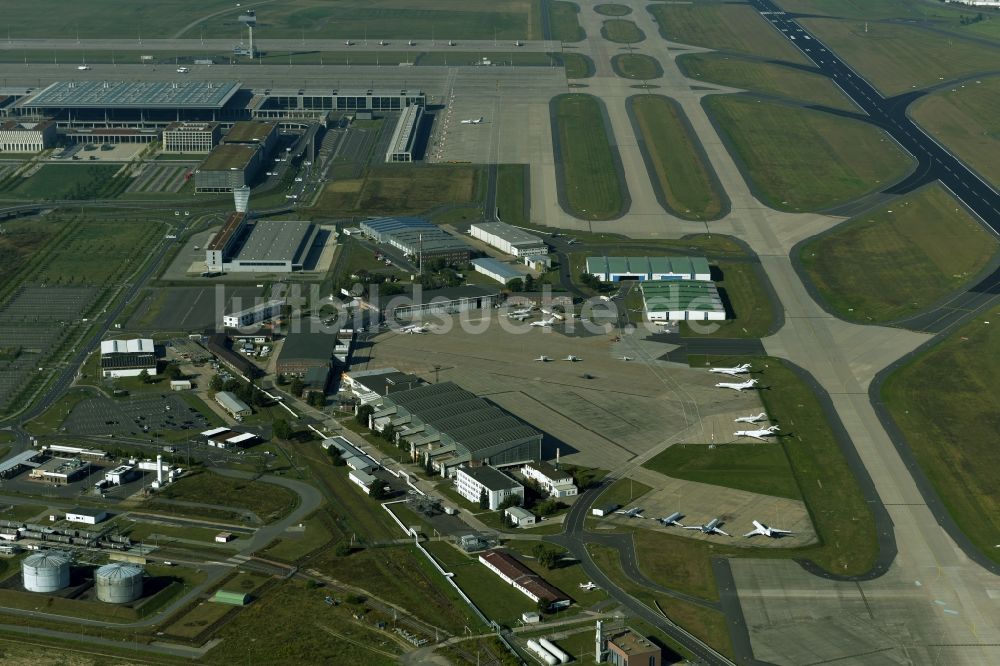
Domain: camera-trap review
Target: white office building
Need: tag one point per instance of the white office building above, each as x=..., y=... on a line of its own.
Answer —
x=26, y=137
x=253, y=315
x=551, y=480
x=509, y=239
x=471, y=481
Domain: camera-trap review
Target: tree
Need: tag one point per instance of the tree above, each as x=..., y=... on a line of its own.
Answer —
x=529, y=282
x=144, y=377
x=342, y=549
x=484, y=499
x=546, y=556
x=377, y=491
x=173, y=371
x=296, y=387
x=316, y=399
x=282, y=429
x=388, y=432
x=336, y=459
x=364, y=411
x=282, y=380
x=516, y=285
x=429, y=467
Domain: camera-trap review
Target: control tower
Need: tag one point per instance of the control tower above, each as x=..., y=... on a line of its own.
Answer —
x=249, y=19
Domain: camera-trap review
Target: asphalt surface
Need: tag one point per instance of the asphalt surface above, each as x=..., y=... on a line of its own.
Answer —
x=934, y=162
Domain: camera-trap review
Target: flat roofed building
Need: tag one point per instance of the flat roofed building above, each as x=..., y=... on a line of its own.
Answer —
x=472, y=482
x=682, y=301
x=628, y=648
x=454, y=427
x=229, y=166
x=236, y=407
x=303, y=351
x=254, y=314
x=362, y=479
x=430, y=244
x=369, y=386
x=61, y=471
x=380, y=229
x=190, y=137
x=17, y=463
x=497, y=270
x=551, y=480
x=404, y=137
x=127, y=358
x=522, y=578
x=449, y=300
x=86, y=516
x=613, y=269
x=274, y=246
x=509, y=239
x=520, y=516
x=319, y=102
x=254, y=132
x=133, y=94
x=26, y=136
x=226, y=242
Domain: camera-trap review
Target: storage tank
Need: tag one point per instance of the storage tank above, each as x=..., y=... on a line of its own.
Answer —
x=45, y=571
x=542, y=653
x=118, y=583
x=556, y=652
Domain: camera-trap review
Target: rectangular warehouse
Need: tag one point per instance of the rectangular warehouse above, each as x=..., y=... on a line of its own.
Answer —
x=417, y=237
x=496, y=270
x=381, y=228
x=271, y=246
x=449, y=300
x=509, y=239
x=184, y=137
x=405, y=135
x=613, y=269
x=687, y=300
x=452, y=427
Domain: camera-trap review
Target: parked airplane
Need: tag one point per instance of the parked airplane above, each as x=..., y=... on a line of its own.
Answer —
x=751, y=419
x=626, y=358
x=588, y=586
x=451, y=42
x=473, y=121
x=411, y=43
x=757, y=434
x=518, y=313
x=519, y=317
x=348, y=43
x=518, y=43
x=764, y=530
x=382, y=42
x=672, y=519
x=544, y=323
x=572, y=359
x=183, y=70
x=634, y=512
x=750, y=383
x=414, y=328
x=711, y=527
x=543, y=359
x=741, y=369
x=83, y=68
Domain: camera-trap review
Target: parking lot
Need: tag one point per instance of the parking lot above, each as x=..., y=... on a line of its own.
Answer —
x=134, y=417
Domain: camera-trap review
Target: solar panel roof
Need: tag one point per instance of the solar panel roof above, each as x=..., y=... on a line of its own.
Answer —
x=135, y=94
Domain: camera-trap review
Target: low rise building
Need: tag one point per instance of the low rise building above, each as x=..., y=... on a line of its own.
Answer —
x=304, y=351
x=551, y=480
x=26, y=136
x=604, y=510
x=628, y=648
x=261, y=133
x=229, y=166
x=509, y=239
x=61, y=471
x=368, y=386
x=362, y=479
x=254, y=314
x=614, y=269
x=517, y=574
x=190, y=137
x=520, y=516
x=496, y=270
x=128, y=358
x=120, y=475
x=236, y=407
x=224, y=438
x=447, y=301
x=404, y=137
x=472, y=482
x=86, y=516
x=682, y=301
x=180, y=385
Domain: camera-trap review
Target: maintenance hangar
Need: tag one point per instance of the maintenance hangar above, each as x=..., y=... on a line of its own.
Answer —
x=448, y=300
x=497, y=270
x=404, y=137
x=686, y=300
x=380, y=229
x=264, y=246
x=453, y=427
x=128, y=358
x=613, y=269
x=416, y=237
x=509, y=239
x=306, y=350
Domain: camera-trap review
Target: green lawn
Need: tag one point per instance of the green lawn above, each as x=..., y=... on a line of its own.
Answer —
x=764, y=77
x=392, y=190
x=962, y=119
x=578, y=66
x=22, y=240
x=589, y=178
x=799, y=159
x=946, y=404
x=317, y=533
x=636, y=66
x=267, y=500
x=758, y=467
x=725, y=27
x=612, y=9
x=565, y=22
x=926, y=245
x=512, y=191
x=68, y=181
x=622, y=492
x=753, y=310
x=622, y=31
x=685, y=178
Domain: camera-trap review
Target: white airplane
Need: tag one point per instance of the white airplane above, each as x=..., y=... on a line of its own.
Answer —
x=741, y=369
x=83, y=68
x=348, y=43
x=672, y=519
x=750, y=383
x=626, y=358
x=711, y=527
x=414, y=328
x=411, y=43
x=518, y=317
x=634, y=512
x=589, y=586
x=183, y=70
x=757, y=434
x=764, y=530
x=572, y=359
x=543, y=359
x=522, y=311
x=473, y=121
x=544, y=323
x=382, y=42
x=451, y=42
x=750, y=419
x=518, y=43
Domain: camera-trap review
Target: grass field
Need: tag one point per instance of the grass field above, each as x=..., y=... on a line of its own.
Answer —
x=945, y=403
x=622, y=31
x=759, y=467
x=317, y=533
x=753, y=309
x=391, y=190
x=67, y=181
x=590, y=180
x=636, y=66
x=622, y=492
x=925, y=245
x=22, y=239
x=883, y=9
x=963, y=120
x=764, y=77
x=725, y=27
x=565, y=22
x=678, y=164
x=897, y=58
x=267, y=500
x=511, y=193
x=799, y=159
x=69, y=19
x=495, y=598
x=612, y=9
x=578, y=66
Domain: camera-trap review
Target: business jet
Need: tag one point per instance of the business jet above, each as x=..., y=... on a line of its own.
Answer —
x=473, y=121
x=83, y=68
x=518, y=313
x=750, y=419
x=625, y=358
x=672, y=519
x=634, y=512
x=589, y=586
x=750, y=383
x=764, y=530
x=761, y=434
x=572, y=359
x=544, y=323
x=741, y=369
x=518, y=317
x=711, y=527
x=543, y=359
